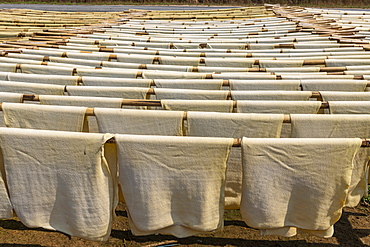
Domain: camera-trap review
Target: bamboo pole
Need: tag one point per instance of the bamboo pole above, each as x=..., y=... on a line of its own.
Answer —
x=236, y=142
x=154, y=103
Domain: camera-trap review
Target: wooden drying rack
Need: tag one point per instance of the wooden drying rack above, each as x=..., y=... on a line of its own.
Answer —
x=157, y=103
x=236, y=143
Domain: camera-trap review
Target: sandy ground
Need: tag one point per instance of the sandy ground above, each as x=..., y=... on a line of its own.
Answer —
x=352, y=230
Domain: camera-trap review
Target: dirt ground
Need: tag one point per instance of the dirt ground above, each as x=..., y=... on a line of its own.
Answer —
x=353, y=229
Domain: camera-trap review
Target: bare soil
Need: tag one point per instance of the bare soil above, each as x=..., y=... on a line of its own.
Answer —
x=353, y=229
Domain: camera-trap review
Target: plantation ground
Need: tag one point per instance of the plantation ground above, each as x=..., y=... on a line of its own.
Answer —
x=353, y=229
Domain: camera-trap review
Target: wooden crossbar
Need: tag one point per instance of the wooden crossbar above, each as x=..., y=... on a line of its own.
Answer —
x=153, y=103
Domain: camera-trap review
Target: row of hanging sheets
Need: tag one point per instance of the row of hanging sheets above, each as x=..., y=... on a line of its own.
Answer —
x=325, y=46
x=207, y=124
x=281, y=102
x=142, y=218
x=303, y=72
x=18, y=23
x=219, y=14
x=177, y=185
x=354, y=25
x=141, y=65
